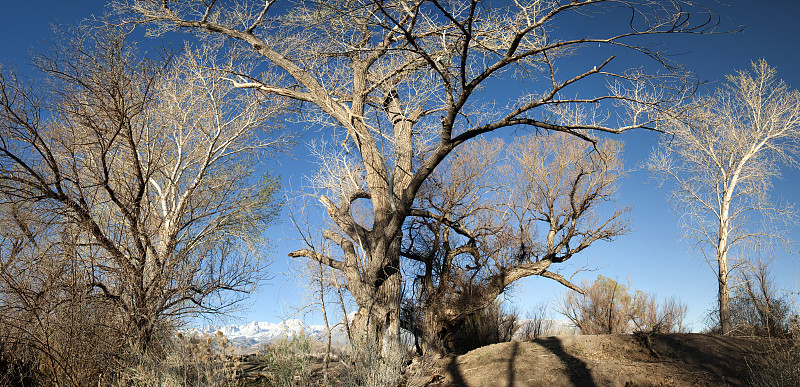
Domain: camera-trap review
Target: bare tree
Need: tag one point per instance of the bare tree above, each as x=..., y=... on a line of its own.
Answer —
x=320, y=280
x=403, y=83
x=722, y=163
x=150, y=164
x=482, y=222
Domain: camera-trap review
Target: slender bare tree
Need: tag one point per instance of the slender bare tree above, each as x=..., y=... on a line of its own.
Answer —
x=722, y=162
x=483, y=221
x=320, y=281
x=403, y=83
x=151, y=165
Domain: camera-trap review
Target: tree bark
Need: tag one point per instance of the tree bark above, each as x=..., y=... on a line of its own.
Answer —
x=724, y=297
x=722, y=252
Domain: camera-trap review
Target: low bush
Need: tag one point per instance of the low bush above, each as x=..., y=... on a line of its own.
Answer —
x=757, y=307
x=610, y=307
x=779, y=366
x=537, y=324
x=287, y=362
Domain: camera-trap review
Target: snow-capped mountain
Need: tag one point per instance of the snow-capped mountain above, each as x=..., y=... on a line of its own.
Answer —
x=260, y=332
x=264, y=331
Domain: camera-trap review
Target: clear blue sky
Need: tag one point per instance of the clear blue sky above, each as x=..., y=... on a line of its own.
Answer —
x=651, y=258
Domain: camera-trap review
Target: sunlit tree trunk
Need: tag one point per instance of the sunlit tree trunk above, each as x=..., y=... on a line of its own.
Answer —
x=722, y=259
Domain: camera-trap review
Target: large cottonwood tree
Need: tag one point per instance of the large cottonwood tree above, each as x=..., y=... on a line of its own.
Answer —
x=400, y=84
x=722, y=162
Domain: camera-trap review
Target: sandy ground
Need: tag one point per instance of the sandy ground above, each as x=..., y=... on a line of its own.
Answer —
x=604, y=360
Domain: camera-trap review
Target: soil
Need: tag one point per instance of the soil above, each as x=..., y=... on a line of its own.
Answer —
x=604, y=360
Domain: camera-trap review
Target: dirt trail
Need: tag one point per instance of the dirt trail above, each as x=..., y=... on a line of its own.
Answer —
x=606, y=360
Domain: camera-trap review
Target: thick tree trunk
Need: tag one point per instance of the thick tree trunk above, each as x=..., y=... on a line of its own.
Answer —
x=144, y=335
x=438, y=339
x=379, y=298
x=392, y=296
x=389, y=322
x=381, y=323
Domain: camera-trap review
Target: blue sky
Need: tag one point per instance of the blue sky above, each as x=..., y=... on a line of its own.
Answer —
x=651, y=258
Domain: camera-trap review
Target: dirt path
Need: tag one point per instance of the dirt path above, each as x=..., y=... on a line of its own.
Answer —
x=606, y=360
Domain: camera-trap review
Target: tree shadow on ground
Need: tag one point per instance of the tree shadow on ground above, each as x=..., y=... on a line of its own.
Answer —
x=576, y=369
x=728, y=362
x=458, y=378
x=455, y=372
x=511, y=360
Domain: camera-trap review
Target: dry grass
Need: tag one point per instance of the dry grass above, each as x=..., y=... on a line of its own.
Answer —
x=196, y=361
x=780, y=364
x=364, y=365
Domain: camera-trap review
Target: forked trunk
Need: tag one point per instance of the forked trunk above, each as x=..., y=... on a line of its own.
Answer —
x=379, y=317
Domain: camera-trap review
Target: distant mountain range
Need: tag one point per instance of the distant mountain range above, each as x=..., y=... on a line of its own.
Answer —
x=252, y=336
x=258, y=333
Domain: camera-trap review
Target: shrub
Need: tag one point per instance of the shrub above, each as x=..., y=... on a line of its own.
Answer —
x=72, y=343
x=649, y=317
x=16, y=369
x=780, y=365
x=610, y=307
x=757, y=308
x=536, y=325
x=287, y=361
